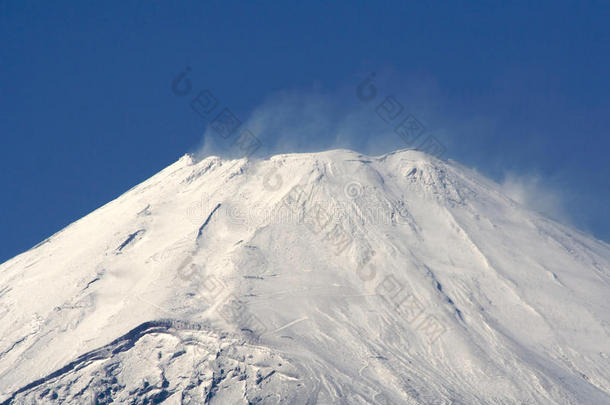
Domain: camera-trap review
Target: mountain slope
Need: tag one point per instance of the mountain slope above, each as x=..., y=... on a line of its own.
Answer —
x=309, y=278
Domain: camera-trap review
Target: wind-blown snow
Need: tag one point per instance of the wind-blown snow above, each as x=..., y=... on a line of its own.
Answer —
x=309, y=278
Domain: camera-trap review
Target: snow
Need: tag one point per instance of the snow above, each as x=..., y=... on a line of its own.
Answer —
x=327, y=277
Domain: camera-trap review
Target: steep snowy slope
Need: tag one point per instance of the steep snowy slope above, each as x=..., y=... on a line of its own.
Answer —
x=309, y=278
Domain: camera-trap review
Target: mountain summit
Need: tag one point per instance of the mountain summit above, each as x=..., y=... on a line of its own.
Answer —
x=322, y=278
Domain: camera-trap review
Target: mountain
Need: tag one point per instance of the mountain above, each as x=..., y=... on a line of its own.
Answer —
x=314, y=278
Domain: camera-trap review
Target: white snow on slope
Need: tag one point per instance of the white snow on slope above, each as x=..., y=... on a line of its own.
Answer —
x=309, y=278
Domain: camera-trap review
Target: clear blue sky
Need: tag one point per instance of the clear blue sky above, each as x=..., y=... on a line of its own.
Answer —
x=87, y=111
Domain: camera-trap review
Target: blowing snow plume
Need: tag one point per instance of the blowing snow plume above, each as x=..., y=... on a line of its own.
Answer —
x=367, y=117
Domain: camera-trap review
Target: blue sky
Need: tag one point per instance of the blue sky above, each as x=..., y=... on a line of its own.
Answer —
x=518, y=90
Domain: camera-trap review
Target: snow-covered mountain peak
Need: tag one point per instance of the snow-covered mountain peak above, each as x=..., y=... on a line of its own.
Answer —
x=330, y=277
